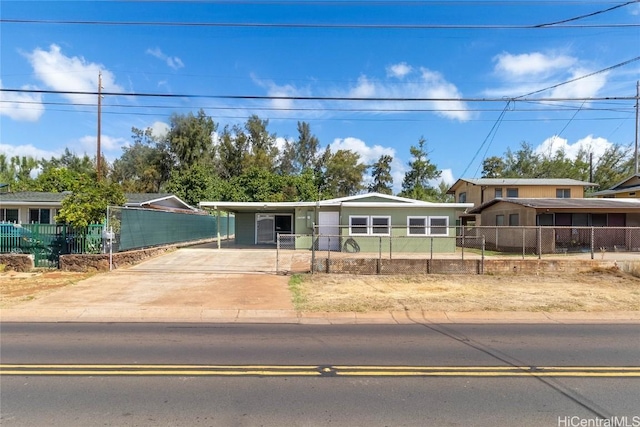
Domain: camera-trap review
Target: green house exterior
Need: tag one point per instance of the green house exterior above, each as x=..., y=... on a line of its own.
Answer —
x=367, y=221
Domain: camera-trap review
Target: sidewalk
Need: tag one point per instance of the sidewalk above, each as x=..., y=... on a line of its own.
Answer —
x=204, y=315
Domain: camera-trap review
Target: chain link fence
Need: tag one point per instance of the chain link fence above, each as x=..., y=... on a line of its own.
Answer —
x=460, y=250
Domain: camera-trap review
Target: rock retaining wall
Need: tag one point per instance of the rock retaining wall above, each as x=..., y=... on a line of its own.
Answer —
x=100, y=262
x=16, y=262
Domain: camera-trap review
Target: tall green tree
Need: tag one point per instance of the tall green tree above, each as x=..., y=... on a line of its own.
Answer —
x=306, y=148
x=381, y=175
x=144, y=166
x=83, y=165
x=417, y=180
x=263, y=144
x=190, y=139
x=233, y=152
x=493, y=167
x=342, y=173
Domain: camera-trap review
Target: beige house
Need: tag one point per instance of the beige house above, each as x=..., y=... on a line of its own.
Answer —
x=627, y=189
x=482, y=190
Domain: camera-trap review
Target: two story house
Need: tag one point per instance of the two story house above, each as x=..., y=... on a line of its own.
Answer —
x=482, y=190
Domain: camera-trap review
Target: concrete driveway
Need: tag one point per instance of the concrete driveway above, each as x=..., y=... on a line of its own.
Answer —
x=188, y=280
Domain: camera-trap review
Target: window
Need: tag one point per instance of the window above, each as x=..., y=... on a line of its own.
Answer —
x=514, y=220
x=438, y=225
x=358, y=225
x=500, y=220
x=39, y=216
x=380, y=225
x=462, y=197
x=498, y=194
x=416, y=226
x=427, y=226
x=9, y=215
x=563, y=193
x=545, y=219
x=512, y=192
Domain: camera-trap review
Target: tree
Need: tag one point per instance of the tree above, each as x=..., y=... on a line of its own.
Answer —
x=88, y=203
x=381, y=175
x=493, y=167
x=306, y=148
x=58, y=180
x=233, y=152
x=196, y=184
x=262, y=143
x=342, y=174
x=417, y=181
x=71, y=161
x=190, y=139
x=145, y=166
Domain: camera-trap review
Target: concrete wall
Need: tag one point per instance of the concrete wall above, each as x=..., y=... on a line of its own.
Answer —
x=416, y=266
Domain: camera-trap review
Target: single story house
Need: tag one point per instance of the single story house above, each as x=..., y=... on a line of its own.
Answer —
x=31, y=207
x=628, y=188
x=360, y=220
x=568, y=220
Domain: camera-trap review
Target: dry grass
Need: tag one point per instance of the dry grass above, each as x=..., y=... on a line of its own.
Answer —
x=19, y=287
x=598, y=290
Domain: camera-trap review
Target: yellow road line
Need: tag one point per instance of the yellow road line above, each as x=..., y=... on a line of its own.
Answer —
x=316, y=370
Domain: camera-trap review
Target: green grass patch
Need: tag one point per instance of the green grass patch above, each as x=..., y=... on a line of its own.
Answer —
x=298, y=293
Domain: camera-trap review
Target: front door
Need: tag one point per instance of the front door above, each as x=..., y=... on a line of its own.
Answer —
x=329, y=231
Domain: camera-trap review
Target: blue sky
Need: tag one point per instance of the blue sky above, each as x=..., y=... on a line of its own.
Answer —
x=455, y=52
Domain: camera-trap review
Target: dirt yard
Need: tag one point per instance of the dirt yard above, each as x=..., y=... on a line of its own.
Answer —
x=19, y=287
x=600, y=290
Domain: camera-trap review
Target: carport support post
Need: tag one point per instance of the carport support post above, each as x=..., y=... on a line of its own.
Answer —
x=592, y=241
x=218, y=226
x=540, y=242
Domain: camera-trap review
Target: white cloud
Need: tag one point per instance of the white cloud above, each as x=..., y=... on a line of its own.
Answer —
x=107, y=143
x=21, y=106
x=280, y=142
x=159, y=129
x=399, y=70
x=531, y=64
x=70, y=74
x=27, y=150
x=276, y=90
x=171, y=61
x=530, y=72
x=551, y=145
x=446, y=176
x=364, y=89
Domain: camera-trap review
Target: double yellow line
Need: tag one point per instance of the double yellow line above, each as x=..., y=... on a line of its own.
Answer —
x=315, y=370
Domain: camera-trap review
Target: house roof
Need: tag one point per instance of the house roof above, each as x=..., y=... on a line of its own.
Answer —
x=620, y=187
x=566, y=204
x=361, y=200
x=517, y=182
x=162, y=200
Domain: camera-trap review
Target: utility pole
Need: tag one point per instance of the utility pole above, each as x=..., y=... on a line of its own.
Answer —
x=98, y=161
x=637, y=120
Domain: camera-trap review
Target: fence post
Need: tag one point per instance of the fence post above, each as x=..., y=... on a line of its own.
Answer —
x=592, y=241
x=524, y=230
x=277, y=253
x=482, y=256
x=328, y=252
x=390, y=248
x=463, y=243
x=313, y=249
x=539, y=242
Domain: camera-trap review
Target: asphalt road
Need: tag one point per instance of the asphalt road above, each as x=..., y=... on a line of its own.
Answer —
x=363, y=375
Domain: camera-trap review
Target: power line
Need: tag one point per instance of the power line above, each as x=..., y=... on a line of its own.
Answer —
x=316, y=26
x=325, y=98
x=588, y=15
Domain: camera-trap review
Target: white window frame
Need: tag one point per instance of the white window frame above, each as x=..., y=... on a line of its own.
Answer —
x=388, y=226
x=428, y=226
x=425, y=226
x=445, y=226
x=366, y=226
